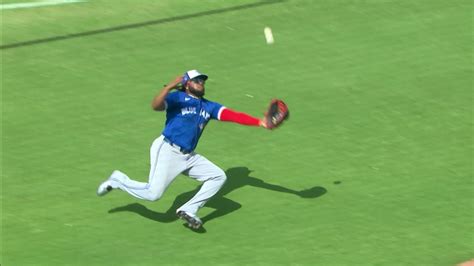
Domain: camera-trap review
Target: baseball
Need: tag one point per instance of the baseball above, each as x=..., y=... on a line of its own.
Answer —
x=268, y=35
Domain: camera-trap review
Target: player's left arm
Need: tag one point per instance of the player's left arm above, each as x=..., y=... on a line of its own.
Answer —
x=229, y=115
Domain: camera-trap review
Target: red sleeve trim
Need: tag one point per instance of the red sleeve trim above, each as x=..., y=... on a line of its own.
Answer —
x=240, y=118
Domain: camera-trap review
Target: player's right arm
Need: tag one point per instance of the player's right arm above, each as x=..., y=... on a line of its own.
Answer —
x=158, y=103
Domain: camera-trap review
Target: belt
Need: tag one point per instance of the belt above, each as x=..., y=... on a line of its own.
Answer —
x=182, y=150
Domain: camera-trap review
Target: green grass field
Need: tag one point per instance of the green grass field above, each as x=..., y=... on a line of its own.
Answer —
x=374, y=167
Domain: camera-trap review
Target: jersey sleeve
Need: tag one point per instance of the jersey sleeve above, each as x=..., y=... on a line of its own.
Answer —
x=237, y=117
x=216, y=110
x=171, y=100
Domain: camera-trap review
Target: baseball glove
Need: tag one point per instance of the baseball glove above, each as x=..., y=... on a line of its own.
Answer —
x=275, y=115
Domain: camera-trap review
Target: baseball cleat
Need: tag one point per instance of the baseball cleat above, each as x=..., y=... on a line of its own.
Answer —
x=107, y=185
x=192, y=220
x=104, y=188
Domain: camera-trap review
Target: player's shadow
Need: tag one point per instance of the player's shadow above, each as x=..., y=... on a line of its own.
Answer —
x=237, y=177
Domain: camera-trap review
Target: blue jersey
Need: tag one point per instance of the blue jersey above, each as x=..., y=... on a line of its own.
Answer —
x=186, y=118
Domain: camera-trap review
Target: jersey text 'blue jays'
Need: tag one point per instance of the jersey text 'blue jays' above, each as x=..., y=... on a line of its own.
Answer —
x=186, y=118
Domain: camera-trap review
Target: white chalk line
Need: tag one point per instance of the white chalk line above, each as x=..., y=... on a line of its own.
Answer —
x=38, y=4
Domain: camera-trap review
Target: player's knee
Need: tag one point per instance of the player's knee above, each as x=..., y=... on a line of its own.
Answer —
x=221, y=176
x=155, y=195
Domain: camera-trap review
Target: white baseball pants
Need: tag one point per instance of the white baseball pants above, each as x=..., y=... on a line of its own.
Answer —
x=167, y=162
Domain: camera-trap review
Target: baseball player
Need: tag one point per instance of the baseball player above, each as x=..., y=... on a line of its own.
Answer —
x=172, y=153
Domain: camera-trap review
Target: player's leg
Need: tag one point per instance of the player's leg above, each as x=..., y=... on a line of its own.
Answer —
x=213, y=177
x=113, y=182
x=119, y=179
x=165, y=165
x=123, y=178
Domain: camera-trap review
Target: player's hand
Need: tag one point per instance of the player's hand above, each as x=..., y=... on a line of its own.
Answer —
x=175, y=82
x=263, y=123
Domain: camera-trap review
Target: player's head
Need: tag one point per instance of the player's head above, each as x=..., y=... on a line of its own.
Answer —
x=194, y=82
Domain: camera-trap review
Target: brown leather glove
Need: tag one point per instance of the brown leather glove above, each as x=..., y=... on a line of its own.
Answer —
x=276, y=113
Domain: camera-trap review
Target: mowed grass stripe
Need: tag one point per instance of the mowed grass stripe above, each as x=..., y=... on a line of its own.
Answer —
x=393, y=134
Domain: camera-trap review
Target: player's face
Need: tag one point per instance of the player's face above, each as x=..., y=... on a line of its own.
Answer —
x=196, y=86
